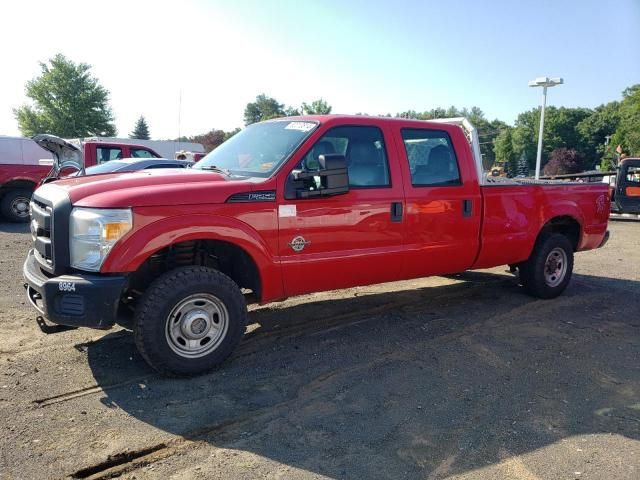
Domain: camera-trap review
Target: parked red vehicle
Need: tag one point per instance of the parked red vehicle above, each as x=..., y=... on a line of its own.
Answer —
x=23, y=165
x=287, y=207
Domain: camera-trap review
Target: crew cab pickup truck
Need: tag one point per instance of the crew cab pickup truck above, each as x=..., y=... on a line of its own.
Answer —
x=287, y=207
x=24, y=164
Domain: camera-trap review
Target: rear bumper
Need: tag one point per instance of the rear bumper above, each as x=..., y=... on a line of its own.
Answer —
x=79, y=300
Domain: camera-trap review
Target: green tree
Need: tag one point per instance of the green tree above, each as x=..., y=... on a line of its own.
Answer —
x=291, y=112
x=525, y=134
x=141, y=130
x=263, y=108
x=228, y=135
x=522, y=168
x=503, y=150
x=560, y=130
x=627, y=133
x=503, y=146
x=67, y=101
x=594, y=129
x=317, y=107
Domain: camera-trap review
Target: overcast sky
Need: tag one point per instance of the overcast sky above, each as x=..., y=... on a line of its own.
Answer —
x=361, y=56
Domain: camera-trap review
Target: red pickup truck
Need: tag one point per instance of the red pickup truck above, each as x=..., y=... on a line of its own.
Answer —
x=22, y=168
x=287, y=207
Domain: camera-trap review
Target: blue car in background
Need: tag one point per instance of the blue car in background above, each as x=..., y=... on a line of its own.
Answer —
x=134, y=164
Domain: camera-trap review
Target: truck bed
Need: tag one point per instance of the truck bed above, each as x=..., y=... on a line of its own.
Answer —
x=515, y=210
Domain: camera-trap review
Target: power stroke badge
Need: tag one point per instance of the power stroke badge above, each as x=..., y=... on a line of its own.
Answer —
x=298, y=243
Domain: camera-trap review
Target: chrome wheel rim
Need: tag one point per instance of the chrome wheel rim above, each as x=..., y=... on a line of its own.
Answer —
x=197, y=325
x=20, y=207
x=555, y=267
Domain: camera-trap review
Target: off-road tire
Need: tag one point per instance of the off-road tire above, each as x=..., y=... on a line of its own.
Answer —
x=163, y=296
x=7, y=207
x=532, y=272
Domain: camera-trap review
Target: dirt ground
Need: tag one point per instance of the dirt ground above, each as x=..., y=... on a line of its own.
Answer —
x=444, y=378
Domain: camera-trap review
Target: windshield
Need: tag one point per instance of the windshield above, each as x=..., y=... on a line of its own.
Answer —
x=259, y=149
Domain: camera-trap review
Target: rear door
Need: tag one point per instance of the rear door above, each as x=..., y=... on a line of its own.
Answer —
x=443, y=201
x=350, y=239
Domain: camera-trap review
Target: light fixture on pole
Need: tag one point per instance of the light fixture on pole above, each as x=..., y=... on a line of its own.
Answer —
x=543, y=82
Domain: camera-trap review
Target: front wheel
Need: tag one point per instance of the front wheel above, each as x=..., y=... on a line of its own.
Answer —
x=548, y=270
x=189, y=320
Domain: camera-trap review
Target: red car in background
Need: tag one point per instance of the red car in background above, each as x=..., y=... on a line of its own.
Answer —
x=24, y=163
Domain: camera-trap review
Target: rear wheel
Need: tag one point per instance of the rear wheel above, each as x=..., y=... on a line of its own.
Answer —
x=15, y=205
x=189, y=320
x=548, y=271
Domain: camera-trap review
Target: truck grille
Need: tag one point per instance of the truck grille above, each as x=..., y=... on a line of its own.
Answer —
x=42, y=232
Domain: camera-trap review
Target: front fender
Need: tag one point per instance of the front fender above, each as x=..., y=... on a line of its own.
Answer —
x=132, y=250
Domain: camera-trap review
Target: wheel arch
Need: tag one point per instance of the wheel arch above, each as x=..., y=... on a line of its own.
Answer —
x=186, y=237
x=17, y=184
x=225, y=256
x=566, y=225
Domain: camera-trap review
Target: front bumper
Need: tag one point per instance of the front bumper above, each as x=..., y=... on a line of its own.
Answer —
x=79, y=300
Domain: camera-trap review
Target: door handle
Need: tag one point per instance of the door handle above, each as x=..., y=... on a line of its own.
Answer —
x=396, y=212
x=467, y=208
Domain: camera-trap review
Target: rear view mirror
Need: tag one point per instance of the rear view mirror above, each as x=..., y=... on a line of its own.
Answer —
x=331, y=178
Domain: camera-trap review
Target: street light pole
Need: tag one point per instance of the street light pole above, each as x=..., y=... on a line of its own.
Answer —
x=539, y=154
x=543, y=82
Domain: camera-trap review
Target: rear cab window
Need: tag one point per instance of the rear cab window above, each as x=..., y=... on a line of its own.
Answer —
x=141, y=153
x=432, y=159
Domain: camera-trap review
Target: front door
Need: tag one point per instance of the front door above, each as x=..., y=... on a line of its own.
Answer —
x=443, y=202
x=627, y=195
x=351, y=239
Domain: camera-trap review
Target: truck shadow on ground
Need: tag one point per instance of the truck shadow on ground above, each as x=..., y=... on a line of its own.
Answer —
x=404, y=383
x=14, y=227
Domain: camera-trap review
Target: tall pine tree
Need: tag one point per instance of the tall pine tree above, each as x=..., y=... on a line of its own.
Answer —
x=522, y=169
x=141, y=130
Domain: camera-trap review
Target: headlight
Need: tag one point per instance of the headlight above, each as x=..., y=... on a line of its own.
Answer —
x=92, y=234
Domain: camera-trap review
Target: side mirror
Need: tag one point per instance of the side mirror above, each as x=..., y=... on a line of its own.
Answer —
x=331, y=179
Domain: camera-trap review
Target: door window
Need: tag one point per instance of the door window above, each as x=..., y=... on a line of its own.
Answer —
x=141, y=153
x=633, y=175
x=104, y=154
x=431, y=157
x=364, y=151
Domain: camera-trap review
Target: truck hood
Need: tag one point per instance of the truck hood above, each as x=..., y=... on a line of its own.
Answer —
x=153, y=188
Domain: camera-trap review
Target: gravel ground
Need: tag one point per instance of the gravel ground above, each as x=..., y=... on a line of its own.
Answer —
x=463, y=377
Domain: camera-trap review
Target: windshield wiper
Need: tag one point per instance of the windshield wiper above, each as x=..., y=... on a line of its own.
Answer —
x=213, y=168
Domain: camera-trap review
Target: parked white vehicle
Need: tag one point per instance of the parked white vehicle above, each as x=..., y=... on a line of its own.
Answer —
x=22, y=151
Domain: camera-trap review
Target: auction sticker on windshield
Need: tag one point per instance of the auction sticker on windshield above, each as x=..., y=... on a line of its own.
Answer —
x=302, y=126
